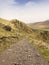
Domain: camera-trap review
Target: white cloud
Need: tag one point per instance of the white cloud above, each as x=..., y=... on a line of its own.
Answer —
x=30, y=12
x=30, y=4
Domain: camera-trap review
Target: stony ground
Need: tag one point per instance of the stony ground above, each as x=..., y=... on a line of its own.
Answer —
x=22, y=53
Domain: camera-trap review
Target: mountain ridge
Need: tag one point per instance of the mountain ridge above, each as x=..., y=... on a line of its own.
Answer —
x=40, y=25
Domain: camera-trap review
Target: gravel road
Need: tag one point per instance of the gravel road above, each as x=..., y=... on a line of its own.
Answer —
x=22, y=53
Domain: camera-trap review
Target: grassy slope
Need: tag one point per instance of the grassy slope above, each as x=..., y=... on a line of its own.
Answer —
x=41, y=33
x=18, y=31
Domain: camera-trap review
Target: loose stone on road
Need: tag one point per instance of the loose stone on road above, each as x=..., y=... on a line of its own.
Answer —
x=22, y=53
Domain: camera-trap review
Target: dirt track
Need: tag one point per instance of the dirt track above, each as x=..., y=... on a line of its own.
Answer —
x=22, y=53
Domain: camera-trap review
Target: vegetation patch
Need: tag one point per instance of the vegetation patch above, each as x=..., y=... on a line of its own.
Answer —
x=7, y=28
x=42, y=49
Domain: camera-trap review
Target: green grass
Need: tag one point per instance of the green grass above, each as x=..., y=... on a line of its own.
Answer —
x=6, y=42
x=18, y=31
x=43, y=51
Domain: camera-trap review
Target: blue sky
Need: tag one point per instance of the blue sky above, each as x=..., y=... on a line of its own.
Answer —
x=25, y=10
x=25, y=1
x=22, y=1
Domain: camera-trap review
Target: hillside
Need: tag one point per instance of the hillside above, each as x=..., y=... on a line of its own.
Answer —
x=12, y=31
x=15, y=25
x=20, y=26
x=3, y=21
x=41, y=37
x=41, y=30
x=40, y=25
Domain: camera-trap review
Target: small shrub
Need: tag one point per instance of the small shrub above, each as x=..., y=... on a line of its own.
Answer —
x=44, y=35
x=7, y=27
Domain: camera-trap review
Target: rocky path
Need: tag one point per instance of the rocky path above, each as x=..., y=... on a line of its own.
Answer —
x=22, y=53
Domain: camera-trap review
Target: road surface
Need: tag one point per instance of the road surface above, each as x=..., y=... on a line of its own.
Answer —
x=22, y=53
